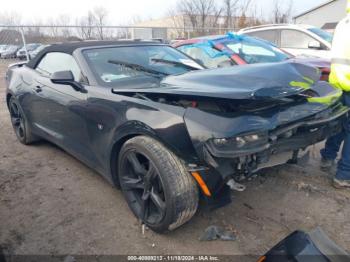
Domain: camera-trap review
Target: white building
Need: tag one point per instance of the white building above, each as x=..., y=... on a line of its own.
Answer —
x=325, y=15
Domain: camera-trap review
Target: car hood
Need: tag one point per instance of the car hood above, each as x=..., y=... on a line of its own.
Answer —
x=272, y=80
x=258, y=81
x=315, y=62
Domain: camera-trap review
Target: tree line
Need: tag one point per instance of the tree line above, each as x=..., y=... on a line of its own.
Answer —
x=195, y=14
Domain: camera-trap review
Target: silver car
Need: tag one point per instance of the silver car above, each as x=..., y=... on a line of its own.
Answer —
x=21, y=53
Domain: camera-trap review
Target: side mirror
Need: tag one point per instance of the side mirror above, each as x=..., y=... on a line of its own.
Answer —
x=66, y=78
x=315, y=45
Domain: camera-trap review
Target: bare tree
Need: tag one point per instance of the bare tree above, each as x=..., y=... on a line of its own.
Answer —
x=245, y=6
x=10, y=18
x=282, y=13
x=100, y=15
x=205, y=9
x=188, y=9
x=64, y=20
x=86, y=26
x=199, y=14
x=179, y=23
x=243, y=20
x=230, y=10
x=54, y=31
x=255, y=18
x=57, y=26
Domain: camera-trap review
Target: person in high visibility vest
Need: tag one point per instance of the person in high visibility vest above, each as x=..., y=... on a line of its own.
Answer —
x=340, y=78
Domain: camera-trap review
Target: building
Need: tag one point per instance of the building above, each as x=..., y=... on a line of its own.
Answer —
x=185, y=26
x=326, y=15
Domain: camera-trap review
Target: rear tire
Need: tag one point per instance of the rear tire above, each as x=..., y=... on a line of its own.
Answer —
x=20, y=124
x=157, y=187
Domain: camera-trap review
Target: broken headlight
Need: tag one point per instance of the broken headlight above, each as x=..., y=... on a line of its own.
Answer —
x=243, y=142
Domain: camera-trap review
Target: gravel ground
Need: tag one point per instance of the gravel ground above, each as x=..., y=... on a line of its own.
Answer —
x=50, y=203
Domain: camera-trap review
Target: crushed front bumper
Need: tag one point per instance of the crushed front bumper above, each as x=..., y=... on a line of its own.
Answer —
x=283, y=144
x=290, y=137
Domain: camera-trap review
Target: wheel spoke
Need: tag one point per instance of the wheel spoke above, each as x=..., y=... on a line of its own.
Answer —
x=150, y=175
x=135, y=163
x=21, y=124
x=16, y=121
x=133, y=183
x=14, y=109
x=144, y=206
x=158, y=201
x=142, y=183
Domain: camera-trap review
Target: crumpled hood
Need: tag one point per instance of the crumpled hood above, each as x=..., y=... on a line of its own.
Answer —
x=258, y=81
x=315, y=62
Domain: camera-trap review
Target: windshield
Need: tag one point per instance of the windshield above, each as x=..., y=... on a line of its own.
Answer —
x=207, y=55
x=146, y=57
x=254, y=51
x=323, y=34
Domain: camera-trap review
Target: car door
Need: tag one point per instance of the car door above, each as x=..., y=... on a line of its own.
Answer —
x=61, y=109
x=299, y=43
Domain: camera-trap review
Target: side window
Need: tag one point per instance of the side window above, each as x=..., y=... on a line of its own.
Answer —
x=55, y=62
x=268, y=35
x=295, y=39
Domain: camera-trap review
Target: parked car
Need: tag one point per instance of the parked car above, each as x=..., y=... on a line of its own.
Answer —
x=10, y=52
x=299, y=40
x=232, y=49
x=3, y=48
x=21, y=53
x=36, y=51
x=139, y=114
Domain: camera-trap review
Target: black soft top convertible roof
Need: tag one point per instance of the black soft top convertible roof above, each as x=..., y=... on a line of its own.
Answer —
x=70, y=47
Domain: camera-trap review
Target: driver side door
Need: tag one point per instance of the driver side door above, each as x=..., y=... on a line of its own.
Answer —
x=62, y=108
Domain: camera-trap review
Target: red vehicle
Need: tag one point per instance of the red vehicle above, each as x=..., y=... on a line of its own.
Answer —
x=231, y=49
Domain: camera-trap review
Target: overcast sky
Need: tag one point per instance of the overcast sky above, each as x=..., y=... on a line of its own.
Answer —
x=120, y=11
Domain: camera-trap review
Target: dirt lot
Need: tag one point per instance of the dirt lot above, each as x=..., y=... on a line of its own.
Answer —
x=50, y=203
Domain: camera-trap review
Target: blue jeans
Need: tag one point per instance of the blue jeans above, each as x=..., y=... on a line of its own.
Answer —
x=333, y=145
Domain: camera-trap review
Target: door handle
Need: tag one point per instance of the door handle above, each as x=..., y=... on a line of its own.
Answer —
x=38, y=89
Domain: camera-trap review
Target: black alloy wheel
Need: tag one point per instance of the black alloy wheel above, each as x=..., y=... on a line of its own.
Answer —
x=19, y=123
x=156, y=185
x=17, y=120
x=143, y=186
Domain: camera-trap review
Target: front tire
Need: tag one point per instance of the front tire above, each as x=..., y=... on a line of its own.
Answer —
x=157, y=187
x=20, y=124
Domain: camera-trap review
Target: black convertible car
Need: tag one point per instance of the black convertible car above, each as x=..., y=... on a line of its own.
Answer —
x=141, y=114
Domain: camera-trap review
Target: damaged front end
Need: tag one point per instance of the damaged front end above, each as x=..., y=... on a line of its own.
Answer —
x=242, y=145
x=246, y=118
x=235, y=147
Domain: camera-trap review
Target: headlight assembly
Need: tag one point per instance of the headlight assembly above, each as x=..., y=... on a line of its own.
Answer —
x=243, y=142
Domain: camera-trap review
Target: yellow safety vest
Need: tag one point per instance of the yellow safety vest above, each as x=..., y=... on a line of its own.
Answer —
x=340, y=68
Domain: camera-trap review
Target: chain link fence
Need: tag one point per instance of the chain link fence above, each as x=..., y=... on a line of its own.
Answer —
x=24, y=42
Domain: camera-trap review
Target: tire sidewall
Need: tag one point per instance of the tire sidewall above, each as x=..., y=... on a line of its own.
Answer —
x=23, y=139
x=168, y=193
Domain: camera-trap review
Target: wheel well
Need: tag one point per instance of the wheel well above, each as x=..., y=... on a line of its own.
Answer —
x=114, y=157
